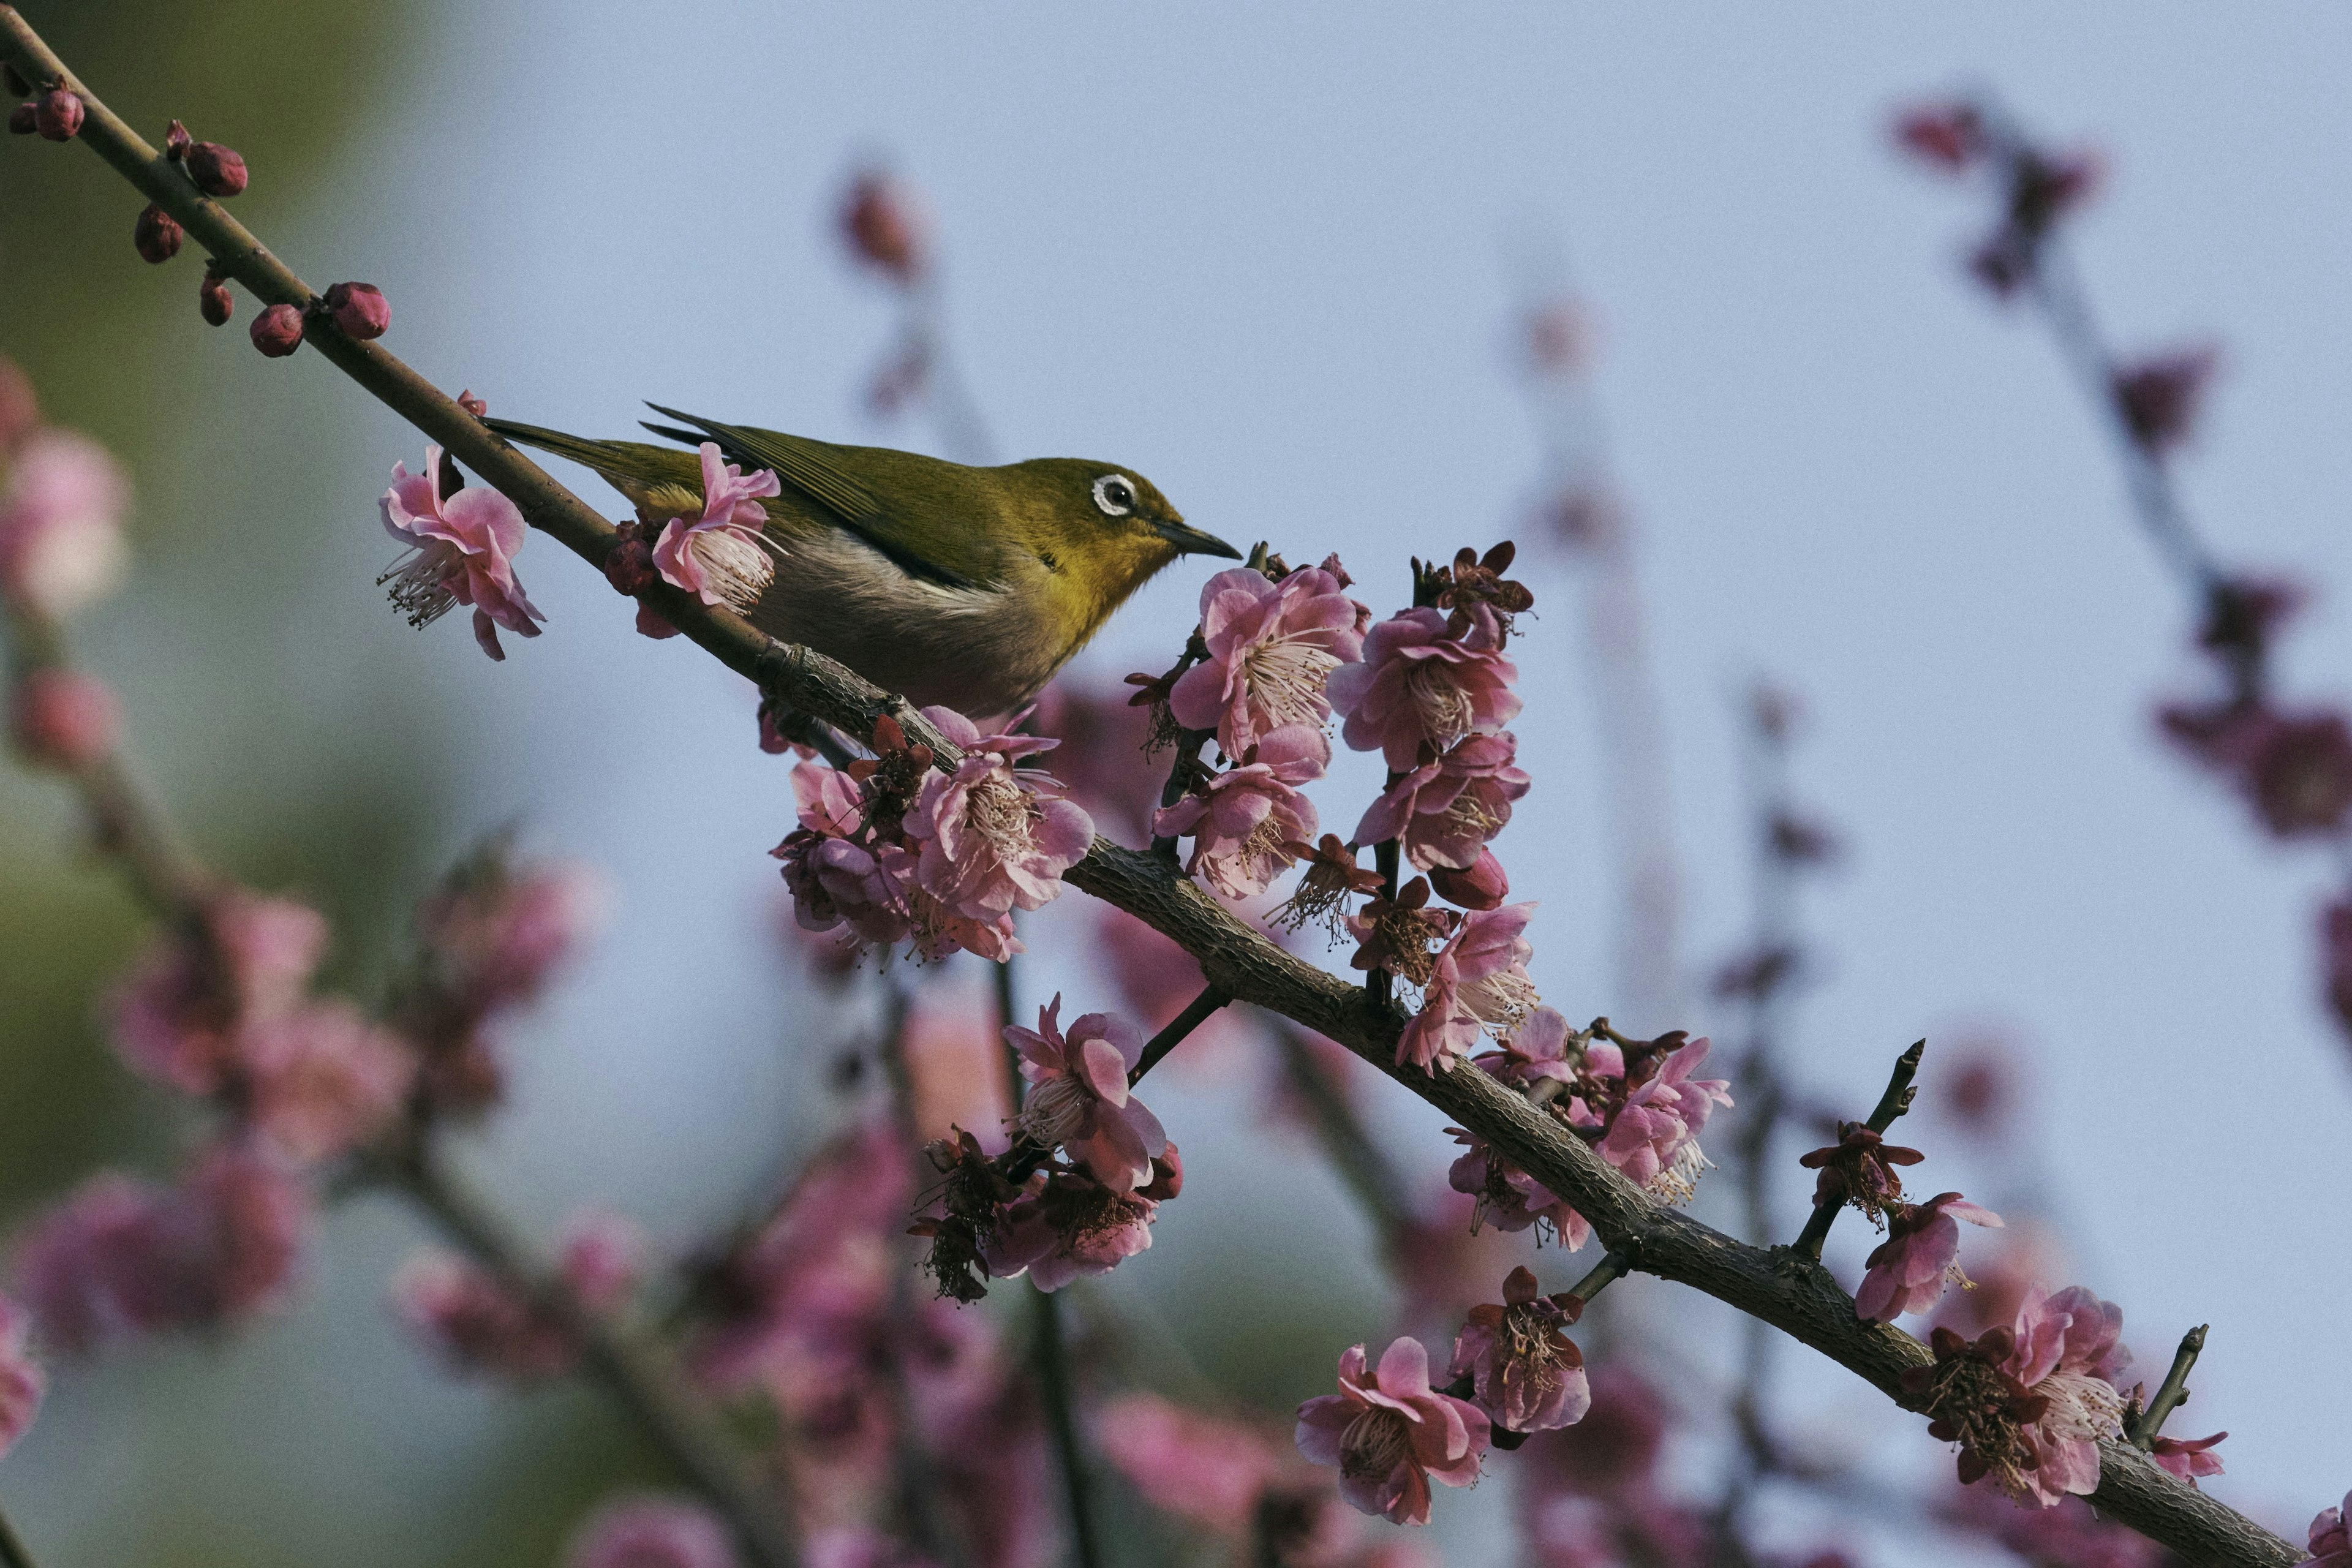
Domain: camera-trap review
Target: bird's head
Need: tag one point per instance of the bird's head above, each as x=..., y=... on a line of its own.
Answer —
x=1100, y=530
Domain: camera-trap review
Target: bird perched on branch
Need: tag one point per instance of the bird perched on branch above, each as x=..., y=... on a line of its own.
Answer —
x=945, y=583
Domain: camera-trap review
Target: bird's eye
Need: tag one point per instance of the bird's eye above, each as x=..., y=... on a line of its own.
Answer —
x=1115, y=495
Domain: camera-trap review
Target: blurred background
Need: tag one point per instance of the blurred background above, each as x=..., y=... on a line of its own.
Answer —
x=1278, y=263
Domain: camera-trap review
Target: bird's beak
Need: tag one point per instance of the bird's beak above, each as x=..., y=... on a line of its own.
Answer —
x=1190, y=540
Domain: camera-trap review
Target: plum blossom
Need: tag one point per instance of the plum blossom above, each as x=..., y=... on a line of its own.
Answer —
x=1067, y=1226
x=1479, y=984
x=1508, y=1198
x=1859, y=1168
x=121, y=1258
x=1390, y=1433
x=61, y=545
x=724, y=556
x=1394, y=935
x=989, y=839
x=2294, y=769
x=63, y=718
x=1483, y=885
x=21, y=1382
x=2027, y=1401
x=650, y=1532
x=1653, y=1135
x=243, y=960
x=475, y=1323
x=1246, y=823
x=2187, y=1458
x=1445, y=812
x=323, y=1080
x=2331, y=1536
x=1272, y=647
x=1526, y=1374
x=463, y=543
x=1418, y=685
x=834, y=879
x=1078, y=1099
x=1909, y=1270
x=1196, y=1467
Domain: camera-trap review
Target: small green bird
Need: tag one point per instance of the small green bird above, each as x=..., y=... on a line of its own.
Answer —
x=945, y=583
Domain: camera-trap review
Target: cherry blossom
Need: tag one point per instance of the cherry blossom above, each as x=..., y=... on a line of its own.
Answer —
x=2331, y=1536
x=1909, y=1270
x=1508, y=1198
x=244, y=960
x=1652, y=1136
x=1390, y=1434
x=1067, y=1226
x=476, y=1324
x=1416, y=685
x=321, y=1080
x=1272, y=647
x=1526, y=1375
x=1196, y=1467
x=724, y=556
x=1859, y=1168
x=1078, y=1098
x=463, y=545
x=1244, y=823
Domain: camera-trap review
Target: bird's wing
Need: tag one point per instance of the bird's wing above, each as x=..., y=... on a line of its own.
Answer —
x=809, y=468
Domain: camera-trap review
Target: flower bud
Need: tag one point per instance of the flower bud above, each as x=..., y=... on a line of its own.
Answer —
x=157, y=234
x=63, y=718
x=1482, y=887
x=278, y=332
x=176, y=143
x=629, y=565
x=213, y=302
x=472, y=405
x=1166, y=1177
x=360, y=310
x=23, y=119
x=57, y=114
x=217, y=171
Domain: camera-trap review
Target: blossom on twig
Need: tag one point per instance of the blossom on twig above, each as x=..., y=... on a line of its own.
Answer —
x=724, y=556
x=61, y=545
x=22, y=1383
x=1270, y=649
x=1245, y=821
x=1418, y=685
x=1078, y=1098
x=2027, y=1403
x=1859, y=1169
x=2187, y=1458
x=1445, y=812
x=1527, y=1377
x=463, y=543
x=1479, y=984
x=1909, y=1270
x=1390, y=1433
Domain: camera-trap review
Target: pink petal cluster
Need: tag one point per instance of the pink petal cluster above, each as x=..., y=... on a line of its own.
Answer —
x=1244, y=823
x=1909, y=1270
x=21, y=1382
x=989, y=839
x=322, y=1080
x=248, y=960
x=61, y=543
x=1526, y=1374
x=1065, y=1227
x=651, y=1532
x=1078, y=1099
x=1271, y=648
x=2331, y=1536
x=1445, y=812
x=2295, y=769
x=63, y=718
x=1653, y=1135
x=1508, y=1198
x=1417, y=685
x=1390, y=1434
x=722, y=557
x=463, y=546
x=121, y=1259
x=2068, y=1354
x=1480, y=985
x=475, y=1323
x=1198, y=1467
x=2187, y=1458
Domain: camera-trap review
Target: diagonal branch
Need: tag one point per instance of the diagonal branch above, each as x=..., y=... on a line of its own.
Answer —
x=1801, y=1300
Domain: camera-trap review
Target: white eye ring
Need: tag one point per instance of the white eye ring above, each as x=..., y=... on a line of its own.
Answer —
x=1115, y=494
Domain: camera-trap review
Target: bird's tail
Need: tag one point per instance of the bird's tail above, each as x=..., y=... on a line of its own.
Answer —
x=635, y=468
x=594, y=454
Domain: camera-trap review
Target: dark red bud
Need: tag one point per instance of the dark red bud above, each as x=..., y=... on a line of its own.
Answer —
x=1484, y=886
x=57, y=114
x=629, y=566
x=360, y=310
x=278, y=332
x=176, y=141
x=24, y=120
x=472, y=405
x=1166, y=1177
x=217, y=171
x=17, y=85
x=213, y=302
x=157, y=234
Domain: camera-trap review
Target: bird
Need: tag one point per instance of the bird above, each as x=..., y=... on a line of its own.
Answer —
x=947, y=583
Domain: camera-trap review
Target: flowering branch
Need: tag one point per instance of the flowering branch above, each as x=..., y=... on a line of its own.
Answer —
x=1649, y=1235
x=1892, y=1104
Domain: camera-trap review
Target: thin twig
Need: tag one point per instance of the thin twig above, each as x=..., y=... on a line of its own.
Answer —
x=1892, y=1104
x=2171, y=1393
x=1196, y=1013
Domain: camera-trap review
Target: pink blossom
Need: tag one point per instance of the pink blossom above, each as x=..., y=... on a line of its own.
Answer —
x=1390, y=1433
x=247, y=959
x=2028, y=1403
x=1203, y=1469
x=1415, y=685
x=651, y=1532
x=602, y=1252
x=1445, y=812
x=724, y=556
x=1484, y=886
x=120, y=1258
x=1244, y=823
x=323, y=1080
x=1653, y=1136
x=859, y=1546
x=497, y=930
x=1508, y=1198
x=61, y=543
x=1479, y=984
x=1909, y=1270
x=21, y=1382
x=63, y=718
x=1528, y=1376
x=1272, y=647
x=2294, y=769
x=2187, y=1458
x=2331, y=1536
x=474, y=1322
x=835, y=877
x=1537, y=1050
x=1078, y=1095
x=1066, y=1226
x=464, y=545
x=991, y=840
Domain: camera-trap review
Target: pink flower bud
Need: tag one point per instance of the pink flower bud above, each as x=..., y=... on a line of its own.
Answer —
x=278, y=332
x=629, y=566
x=472, y=405
x=217, y=171
x=157, y=234
x=1482, y=887
x=213, y=300
x=62, y=719
x=23, y=119
x=57, y=114
x=882, y=226
x=360, y=310
x=176, y=141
